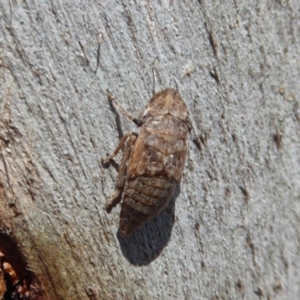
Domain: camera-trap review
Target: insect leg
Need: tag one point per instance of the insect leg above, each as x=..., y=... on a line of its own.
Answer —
x=106, y=159
x=138, y=122
x=116, y=197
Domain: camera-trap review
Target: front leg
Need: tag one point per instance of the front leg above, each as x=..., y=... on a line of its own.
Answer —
x=129, y=141
x=138, y=122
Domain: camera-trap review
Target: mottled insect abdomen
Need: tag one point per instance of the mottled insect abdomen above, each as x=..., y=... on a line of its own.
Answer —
x=153, y=162
x=143, y=199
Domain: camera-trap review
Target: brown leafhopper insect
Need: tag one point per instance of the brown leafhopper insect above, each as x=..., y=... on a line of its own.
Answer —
x=153, y=160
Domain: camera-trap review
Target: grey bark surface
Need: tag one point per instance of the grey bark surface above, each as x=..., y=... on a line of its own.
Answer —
x=233, y=229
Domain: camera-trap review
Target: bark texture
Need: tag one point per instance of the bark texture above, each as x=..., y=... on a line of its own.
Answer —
x=233, y=229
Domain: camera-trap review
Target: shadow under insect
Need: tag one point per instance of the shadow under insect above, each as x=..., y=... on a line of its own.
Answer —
x=147, y=242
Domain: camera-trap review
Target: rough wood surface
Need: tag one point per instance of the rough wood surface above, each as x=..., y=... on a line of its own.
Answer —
x=232, y=231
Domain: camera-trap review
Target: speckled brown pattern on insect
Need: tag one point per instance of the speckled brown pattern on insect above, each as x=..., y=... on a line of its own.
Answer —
x=153, y=161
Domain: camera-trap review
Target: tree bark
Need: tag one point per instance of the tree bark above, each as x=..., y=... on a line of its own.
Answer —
x=232, y=229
